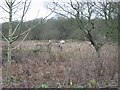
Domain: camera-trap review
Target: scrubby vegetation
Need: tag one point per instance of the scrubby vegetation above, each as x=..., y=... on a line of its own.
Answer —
x=76, y=48
x=76, y=66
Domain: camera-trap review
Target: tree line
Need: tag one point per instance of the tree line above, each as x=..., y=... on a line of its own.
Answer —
x=62, y=28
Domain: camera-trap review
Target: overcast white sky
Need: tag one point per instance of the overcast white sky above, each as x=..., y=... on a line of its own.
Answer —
x=37, y=9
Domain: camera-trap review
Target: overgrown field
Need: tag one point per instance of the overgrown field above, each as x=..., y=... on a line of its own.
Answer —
x=72, y=64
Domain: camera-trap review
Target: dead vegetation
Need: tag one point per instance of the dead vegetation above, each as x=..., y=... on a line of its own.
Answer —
x=76, y=65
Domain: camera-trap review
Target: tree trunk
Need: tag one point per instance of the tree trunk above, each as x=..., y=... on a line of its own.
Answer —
x=9, y=59
x=97, y=48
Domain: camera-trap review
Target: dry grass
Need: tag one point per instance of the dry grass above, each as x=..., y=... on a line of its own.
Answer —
x=75, y=65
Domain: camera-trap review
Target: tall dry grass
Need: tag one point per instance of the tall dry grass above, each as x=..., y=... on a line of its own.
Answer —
x=75, y=65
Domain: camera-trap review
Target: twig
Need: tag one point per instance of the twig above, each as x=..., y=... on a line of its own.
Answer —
x=21, y=41
x=30, y=28
x=4, y=37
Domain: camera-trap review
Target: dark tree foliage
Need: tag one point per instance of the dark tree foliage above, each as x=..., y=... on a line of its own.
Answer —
x=61, y=28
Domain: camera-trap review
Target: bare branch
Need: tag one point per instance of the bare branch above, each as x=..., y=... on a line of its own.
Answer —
x=17, y=5
x=15, y=29
x=59, y=13
x=20, y=23
x=22, y=40
x=13, y=2
x=4, y=9
x=61, y=7
x=16, y=37
x=4, y=37
x=7, y=2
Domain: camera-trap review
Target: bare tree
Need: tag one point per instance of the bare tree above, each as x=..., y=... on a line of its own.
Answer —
x=11, y=7
x=109, y=12
x=79, y=11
